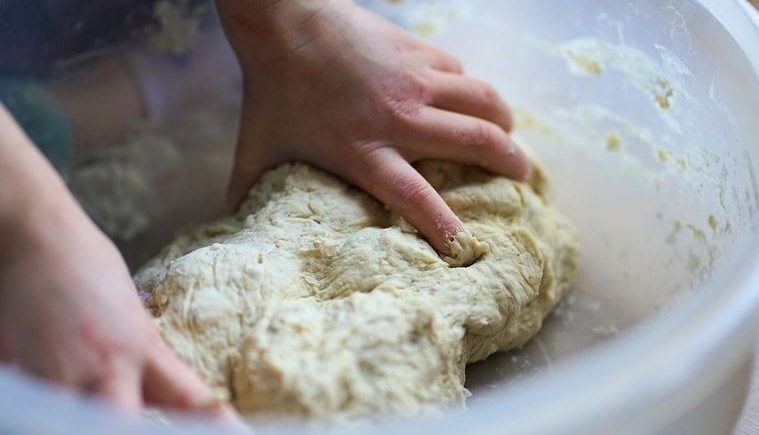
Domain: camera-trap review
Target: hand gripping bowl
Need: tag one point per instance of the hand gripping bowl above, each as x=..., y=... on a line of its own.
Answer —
x=646, y=116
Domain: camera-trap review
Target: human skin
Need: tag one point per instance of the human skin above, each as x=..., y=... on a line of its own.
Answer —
x=326, y=82
x=69, y=311
x=334, y=85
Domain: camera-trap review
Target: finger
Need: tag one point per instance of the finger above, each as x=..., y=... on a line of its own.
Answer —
x=393, y=181
x=436, y=133
x=170, y=383
x=121, y=386
x=469, y=96
x=441, y=60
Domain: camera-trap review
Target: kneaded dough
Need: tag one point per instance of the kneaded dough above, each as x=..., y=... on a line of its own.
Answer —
x=315, y=301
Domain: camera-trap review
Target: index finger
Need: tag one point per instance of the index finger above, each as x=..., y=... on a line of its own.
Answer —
x=391, y=179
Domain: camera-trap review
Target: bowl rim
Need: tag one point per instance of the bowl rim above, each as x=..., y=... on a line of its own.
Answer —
x=669, y=343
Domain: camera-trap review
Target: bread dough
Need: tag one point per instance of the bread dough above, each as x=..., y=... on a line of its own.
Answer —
x=315, y=301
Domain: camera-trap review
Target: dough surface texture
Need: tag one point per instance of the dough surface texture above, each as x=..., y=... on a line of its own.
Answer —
x=315, y=301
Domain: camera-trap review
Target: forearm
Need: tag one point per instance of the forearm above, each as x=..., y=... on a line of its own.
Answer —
x=31, y=192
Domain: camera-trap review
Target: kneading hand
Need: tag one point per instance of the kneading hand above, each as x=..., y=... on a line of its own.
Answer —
x=69, y=311
x=329, y=83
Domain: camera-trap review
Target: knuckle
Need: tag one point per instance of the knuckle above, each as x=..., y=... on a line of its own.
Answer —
x=418, y=81
x=453, y=63
x=402, y=100
x=481, y=135
x=445, y=59
x=395, y=109
x=490, y=96
x=413, y=192
x=367, y=161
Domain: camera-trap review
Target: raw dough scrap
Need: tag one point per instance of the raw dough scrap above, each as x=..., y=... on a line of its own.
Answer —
x=315, y=301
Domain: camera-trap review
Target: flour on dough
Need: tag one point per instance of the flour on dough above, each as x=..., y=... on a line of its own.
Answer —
x=312, y=302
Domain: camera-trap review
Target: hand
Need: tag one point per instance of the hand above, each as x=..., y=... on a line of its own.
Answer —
x=68, y=309
x=331, y=84
x=69, y=313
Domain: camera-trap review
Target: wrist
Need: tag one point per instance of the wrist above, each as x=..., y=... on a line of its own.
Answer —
x=37, y=218
x=32, y=195
x=270, y=30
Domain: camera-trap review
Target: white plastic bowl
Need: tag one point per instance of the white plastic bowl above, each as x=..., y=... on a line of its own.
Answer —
x=658, y=332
